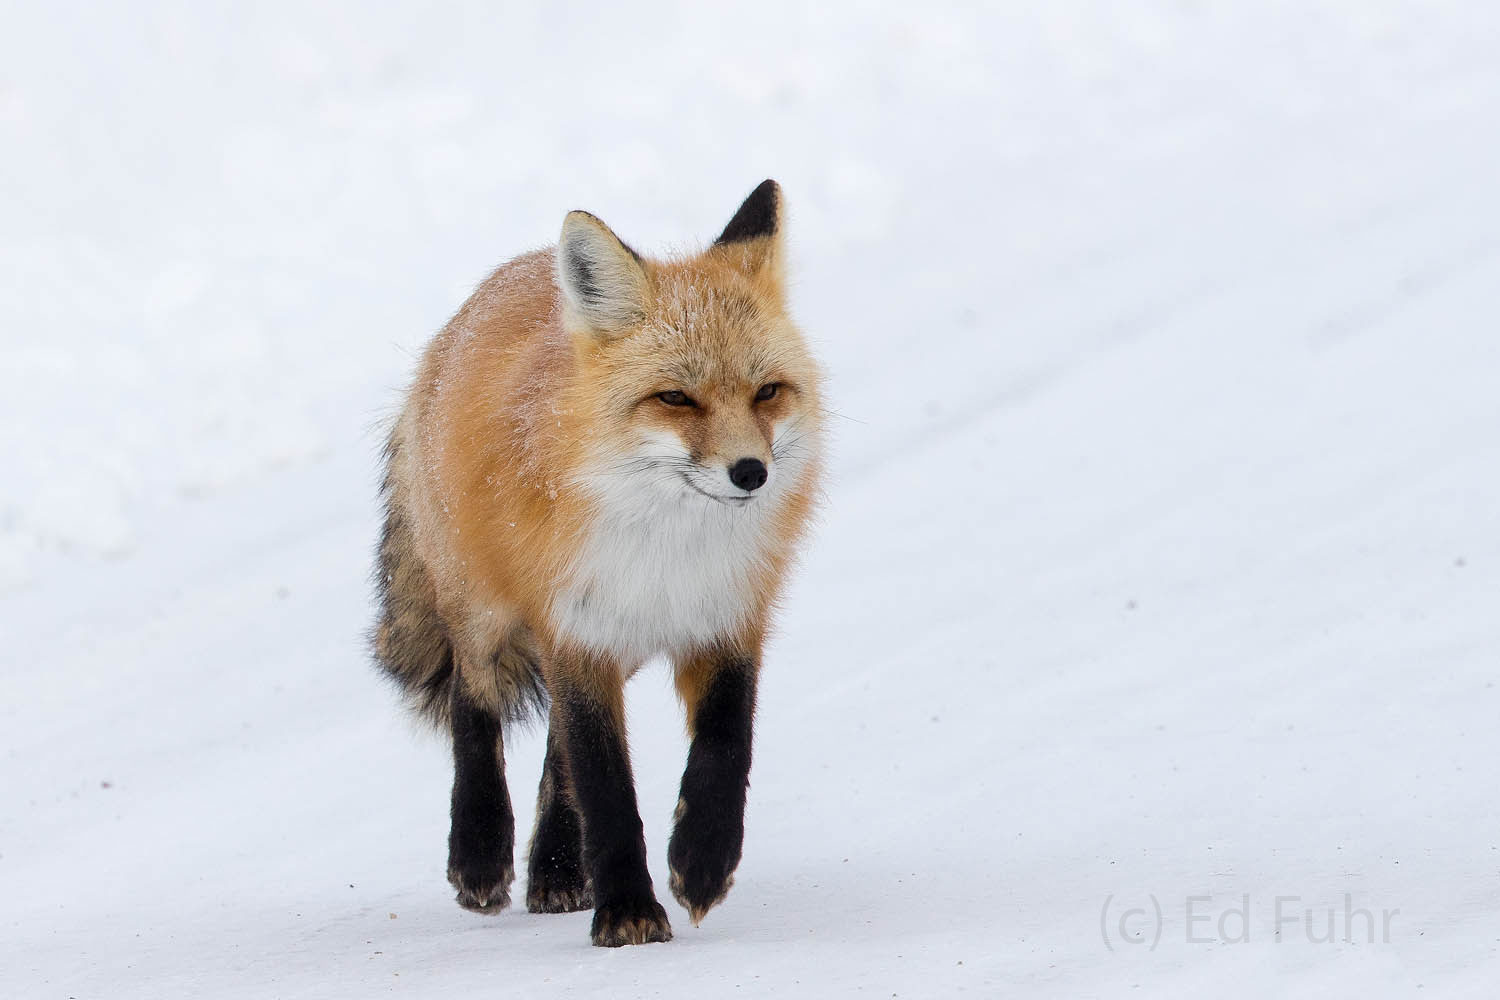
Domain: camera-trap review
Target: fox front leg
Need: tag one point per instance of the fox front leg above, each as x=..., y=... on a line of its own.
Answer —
x=718, y=690
x=588, y=706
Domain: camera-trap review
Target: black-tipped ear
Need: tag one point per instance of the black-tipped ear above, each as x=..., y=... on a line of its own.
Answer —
x=759, y=216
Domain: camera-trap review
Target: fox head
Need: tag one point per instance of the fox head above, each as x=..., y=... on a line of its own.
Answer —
x=696, y=383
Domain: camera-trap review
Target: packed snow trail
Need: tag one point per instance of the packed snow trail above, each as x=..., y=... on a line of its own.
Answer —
x=1153, y=609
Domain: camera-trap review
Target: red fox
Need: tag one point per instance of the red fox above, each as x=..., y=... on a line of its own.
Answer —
x=605, y=457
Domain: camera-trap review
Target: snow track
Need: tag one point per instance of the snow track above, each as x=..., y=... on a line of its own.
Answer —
x=1160, y=568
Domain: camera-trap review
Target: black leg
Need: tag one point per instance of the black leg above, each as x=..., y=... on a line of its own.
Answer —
x=719, y=690
x=556, y=881
x=614, y=845
x=481, y=843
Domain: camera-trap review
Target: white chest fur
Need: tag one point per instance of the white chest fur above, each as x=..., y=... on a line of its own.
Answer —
x=661, y=570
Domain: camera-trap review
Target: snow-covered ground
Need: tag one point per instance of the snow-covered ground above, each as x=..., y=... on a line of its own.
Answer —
x=1160, y=572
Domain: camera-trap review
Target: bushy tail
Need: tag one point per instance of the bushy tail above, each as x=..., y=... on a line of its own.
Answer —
x=410, y=641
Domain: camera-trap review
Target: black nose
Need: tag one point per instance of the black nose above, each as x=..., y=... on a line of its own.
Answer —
x=748, y=474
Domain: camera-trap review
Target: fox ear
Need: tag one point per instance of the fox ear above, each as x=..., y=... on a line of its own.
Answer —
x=753, y=236
x=603, y=281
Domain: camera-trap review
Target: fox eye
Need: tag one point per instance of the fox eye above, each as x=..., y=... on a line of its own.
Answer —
x=768, y=391
x=676, y=397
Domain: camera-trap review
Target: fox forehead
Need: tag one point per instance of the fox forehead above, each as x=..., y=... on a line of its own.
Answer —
x=701, y=334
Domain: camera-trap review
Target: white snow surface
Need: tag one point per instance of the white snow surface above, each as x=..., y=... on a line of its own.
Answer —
x=1160, y=564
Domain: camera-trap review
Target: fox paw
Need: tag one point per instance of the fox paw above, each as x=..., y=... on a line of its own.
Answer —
x=698, y=897
x=701, y=858
x=482, y=888
x=630, y=921
x=544, y=895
